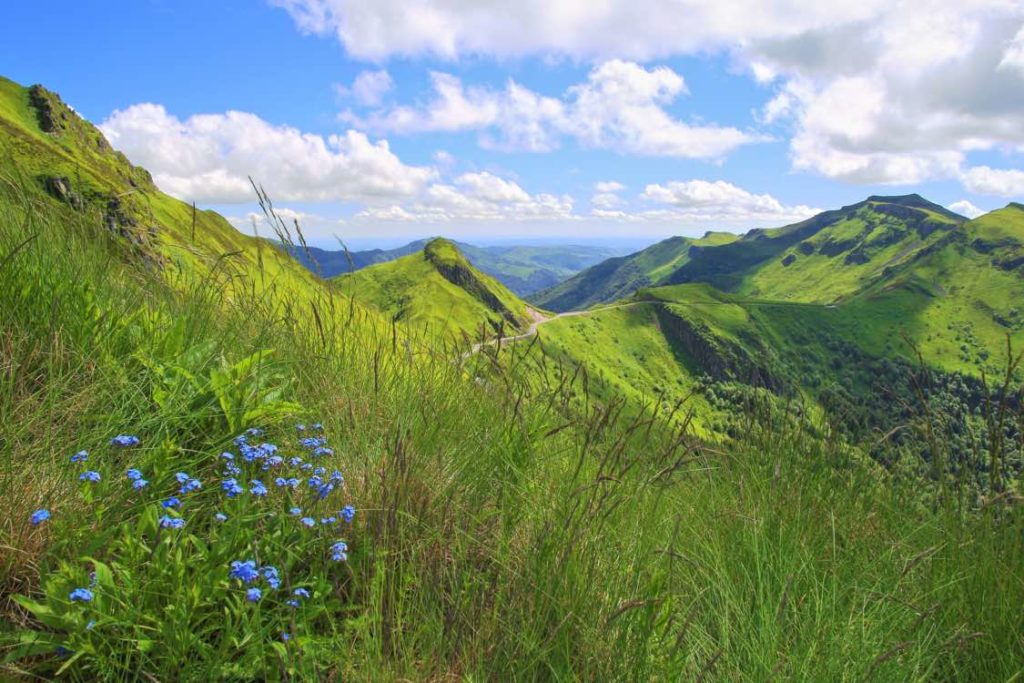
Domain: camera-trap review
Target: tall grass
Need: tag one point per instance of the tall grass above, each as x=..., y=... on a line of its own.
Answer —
x=503, y=531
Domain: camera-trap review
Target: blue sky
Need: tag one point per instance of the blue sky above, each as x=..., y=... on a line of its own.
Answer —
x=379, y=121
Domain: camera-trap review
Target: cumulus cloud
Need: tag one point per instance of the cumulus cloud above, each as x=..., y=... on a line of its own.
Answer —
x=609, y=186
x=1002, y=182
x=208, y=157
x=620, y=106
x=720, y=202
x=369, y=87
x=475, y=198
x=965, y=208
x=875, y=91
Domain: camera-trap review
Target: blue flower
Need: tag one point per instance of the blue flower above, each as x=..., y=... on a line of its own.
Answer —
x=257, y=488
x=315, y=482
x=190, y=485
x=328, y=520
x=312, y=442
x=322, y=451
x=291, y=603
x=339, y=551
x=316, y=426
x=220, y=517
x=40, y=516
x=182, y=477
x=337, y=478
x=300, y=427
x=124, y=441
x=232, y=470
x=227, y=456
x=325, y=490
x=91, y=625
x=295, y=462
x=133, y=474
x=81, y=595
x=254, y=431
x=167, y=522
x=90, y=475
x=244, y=571
x=308, y=521
x=139, y=484
x=80, y=456
x=295, y=511
x=273, y=461
x=320, y=471
x=348, y=513
x=300, y=593
x=232, y=488
x=171, y=502
x=253, y=595
x=272, y=577
x=306, y=467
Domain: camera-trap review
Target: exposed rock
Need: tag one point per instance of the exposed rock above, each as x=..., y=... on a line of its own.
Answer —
x=52, y=118
x=805, y=248
x=789, y=259
x=60, y=188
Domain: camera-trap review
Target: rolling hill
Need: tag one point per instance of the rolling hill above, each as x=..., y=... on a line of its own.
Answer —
x=619, y=277
x=437, y=289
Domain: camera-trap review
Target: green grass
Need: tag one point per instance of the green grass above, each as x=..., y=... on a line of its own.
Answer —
x=438, y=292
x=511, y=524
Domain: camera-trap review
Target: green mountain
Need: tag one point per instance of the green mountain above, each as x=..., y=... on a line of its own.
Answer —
x=619, y=277
x=437, y=289
x=523, y=269
x=824, y=258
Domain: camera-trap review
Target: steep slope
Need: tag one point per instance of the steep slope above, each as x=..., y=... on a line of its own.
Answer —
x=827, y=257
x=619, y=277
x=523, y=269
x=53, y=156
x=437, y=289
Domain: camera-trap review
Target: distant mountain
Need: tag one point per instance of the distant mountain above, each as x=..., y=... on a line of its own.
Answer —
x=523, y=269
x=438, y=289
x=619, y=277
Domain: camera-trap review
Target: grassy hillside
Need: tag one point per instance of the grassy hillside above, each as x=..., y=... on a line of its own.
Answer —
x=824, y=258
x=439, y=291
x=507, y=523
x=617, y=278
x=523, y=269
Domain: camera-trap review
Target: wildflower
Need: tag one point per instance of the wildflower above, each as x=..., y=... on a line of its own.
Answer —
x=295, y=461
x=171, y=502
x=292, y=603
x=325, y=490
x=133, y=474
x=272, y=576
x=80, y=595
x=280, y=481
x=300, y=593
x=257, y=488
x=190, y=485
x=317, y=427
x=315, y=482
x=328, y=520
x=273, y=461
x=90, y=475
x=124, y=441
x=348, y=513
x=336, y=477
x=254, y=431
x=220, y=517
x=232, y=470
x=244, y=571
x=312, y=442
x=40, y=516
x=227, y=456
x=231, y=487
x=295, y=511
x=300, y=427
x=182, y=477
x=268, y=449
x=168, y=522
x=308, y=521
x=320, y=471
x=284, y=636
x=253, y=595
x=91, y=625
x=139, y=484
x=306, y=467
x=80, y=456
x=339, y=551
x=322, y=451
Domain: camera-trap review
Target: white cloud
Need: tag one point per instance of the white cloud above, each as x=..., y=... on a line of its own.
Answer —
x=965, y=208
x=609, y=186
x=634, y=29
x=1013, y=58
x=620, y=106
x=720, y=202
x=208, y=157
x=369, y=87
x=605, y=201
x=1002, y=182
